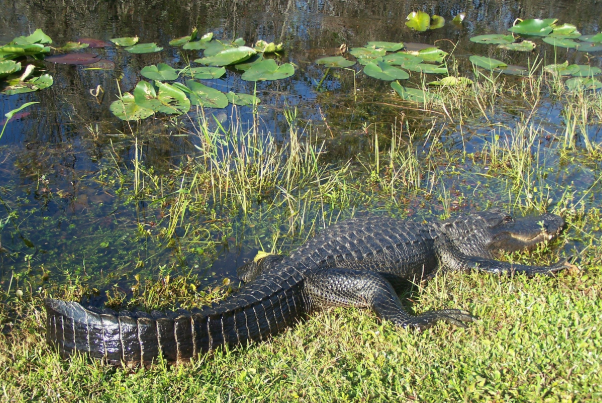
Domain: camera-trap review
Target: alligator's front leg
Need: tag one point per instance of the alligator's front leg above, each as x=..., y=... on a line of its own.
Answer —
x=453, y=259
x=364, y=289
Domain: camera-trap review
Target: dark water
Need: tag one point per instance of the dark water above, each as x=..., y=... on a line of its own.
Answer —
x=58, y=215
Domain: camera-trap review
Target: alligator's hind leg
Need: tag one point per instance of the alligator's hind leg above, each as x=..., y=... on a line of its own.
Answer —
x=364, y=289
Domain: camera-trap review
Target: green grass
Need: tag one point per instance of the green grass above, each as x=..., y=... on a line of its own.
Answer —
x=537, y=340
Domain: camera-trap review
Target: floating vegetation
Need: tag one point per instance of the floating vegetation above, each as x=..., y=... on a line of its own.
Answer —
x=144, y=48
x=534, y=27
x=242, y=99
x=125, y=41
x=411, y=94
x=384, y=71
x=265, y=47
x=205, y=96
x=335, y=62
x=388, y=46
x=203, y=73
x=161, y=71
x=94, y=43
x=71, y=46
x=228, y=56
x=268, y=70
x=421, y=21
x=486, y=62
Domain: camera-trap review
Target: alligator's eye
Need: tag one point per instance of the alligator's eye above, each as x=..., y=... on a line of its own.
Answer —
x=508, y=218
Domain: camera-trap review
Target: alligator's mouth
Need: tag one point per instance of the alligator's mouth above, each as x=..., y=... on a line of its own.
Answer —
x=527, y=233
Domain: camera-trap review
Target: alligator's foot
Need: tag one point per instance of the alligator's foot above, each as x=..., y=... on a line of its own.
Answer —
x=429, y=319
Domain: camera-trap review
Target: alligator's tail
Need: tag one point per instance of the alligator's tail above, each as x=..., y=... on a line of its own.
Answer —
x=139, y=339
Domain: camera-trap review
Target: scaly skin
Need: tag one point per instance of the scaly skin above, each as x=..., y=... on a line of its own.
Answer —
x=361, y=262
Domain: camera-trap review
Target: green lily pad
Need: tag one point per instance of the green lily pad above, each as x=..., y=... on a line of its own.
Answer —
x=426, y=68
x=126, y=108
x=170, y=99
x=204, y=73
x=534, y=27
x=335, y=61
x=493, y=39
x=38, y=36
x=388, y=46
x=402, y=59
x=513, y=70
x=71, y=46
x=8, y=67
x=367, y=53
x=144, y=48
x=561, y=42
x=419, y=21
x=459, y=18
x=384, y=71
x=563, y=69
x=159, y=72
x=437, y=22
x=411, y=94
x=125, y=41
x=589, y=46
x=202, y=95
x=581, y=84
x=367, y=60
x=453, y=82
x=586, y=71
x=565, y=31
x=267, y=70
x=592, y=38
x=185, y=39
x=228, y=56
x=524, y=46
x=202, y=43
x=31, y=85
x=13, y=51
x=242, y=99
x=265, y=47
x=487, y=63
x=256, y=58
x=433, y=54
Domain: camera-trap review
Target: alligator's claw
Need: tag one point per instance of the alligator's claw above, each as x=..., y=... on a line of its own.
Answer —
x=428, y=319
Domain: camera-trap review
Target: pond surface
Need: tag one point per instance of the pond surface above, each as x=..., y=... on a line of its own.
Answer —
x=69, y=208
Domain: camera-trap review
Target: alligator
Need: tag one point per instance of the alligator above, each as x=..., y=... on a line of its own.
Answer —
x=362, y=262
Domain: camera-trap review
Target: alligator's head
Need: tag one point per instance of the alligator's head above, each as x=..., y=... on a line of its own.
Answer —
x=483, y=233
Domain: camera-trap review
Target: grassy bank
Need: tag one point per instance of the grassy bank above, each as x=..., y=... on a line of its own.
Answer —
x=536, y=340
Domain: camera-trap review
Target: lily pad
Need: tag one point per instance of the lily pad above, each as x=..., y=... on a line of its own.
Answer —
x=419, y=21
x=563, y=69
x=401, y=59
x=335, y=61
x=388, y=46
x=561, y=42
x=160, y=72
x=524, y=46
x=581, y=84
x=411, y=94
x=565, y=31
x=31, y=85
x=95, y=43
x=247, y=64
x=242, y=99
x=170, y=99
x=459, y=18
x=268, y=70
x=185, y=39
x=38, y=36
x=427, y=68
x=12, y=51
x=513, y=70
x=200, y=44
x=493, y=39
x=534, y=27
x=228, y=56
x=74, y=58
x=71, y=46
x=206, y=96
x=265, y=47
x=453, y=82
x=126, y=108
x=367, y=53
x=144, y=48
x=384, y=71
x=592, y=38
x=437, y=22
x=431, y=54
x=487, y=63
x=589, y=46
x=204, y=73
x=586, y=71
x=125, y=41
x=8, y=67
